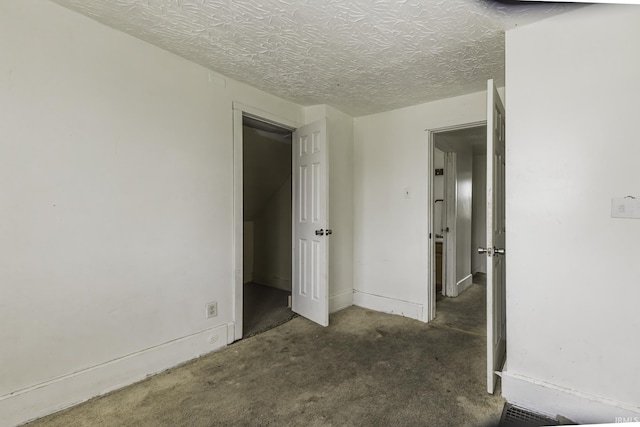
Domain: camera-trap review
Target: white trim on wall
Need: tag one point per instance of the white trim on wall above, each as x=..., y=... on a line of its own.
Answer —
x=388, y=305
x=340, y=301
x=464, y=284
x=552, y=400
x=265, y=116
x=68, y=390
x=430, y=312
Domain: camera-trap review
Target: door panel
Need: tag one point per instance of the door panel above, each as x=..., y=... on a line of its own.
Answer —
x=310, y=263
x=495, y=249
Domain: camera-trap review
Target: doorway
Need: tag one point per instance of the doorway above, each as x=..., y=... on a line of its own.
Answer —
x=261, y=118
x=304, y=274
x=457, y=220
x=493, y=247
x=266, y=223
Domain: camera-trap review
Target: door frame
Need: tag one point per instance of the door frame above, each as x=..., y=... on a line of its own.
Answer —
x=240, y=110
x=431, y=245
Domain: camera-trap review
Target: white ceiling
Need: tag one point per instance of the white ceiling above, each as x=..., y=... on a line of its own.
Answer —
x=473, y=139
x=360, y=56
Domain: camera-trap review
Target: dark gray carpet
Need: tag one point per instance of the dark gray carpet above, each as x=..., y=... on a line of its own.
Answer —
x=468, y=311
x=365, y=369
x=264, y=307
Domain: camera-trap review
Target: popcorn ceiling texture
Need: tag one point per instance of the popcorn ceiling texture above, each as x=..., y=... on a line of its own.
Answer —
x=360, y=56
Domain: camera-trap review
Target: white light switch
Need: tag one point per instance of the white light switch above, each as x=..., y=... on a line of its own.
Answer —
x=625, y=207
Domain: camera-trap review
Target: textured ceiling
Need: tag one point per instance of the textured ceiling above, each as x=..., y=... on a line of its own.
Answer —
x=474, y=139
x=360, y=56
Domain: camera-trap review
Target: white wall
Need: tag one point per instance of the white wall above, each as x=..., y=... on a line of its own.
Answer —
x=572, y=272
x=479, y=214
x=390, y=230
x=116, y=174
x=340, y=146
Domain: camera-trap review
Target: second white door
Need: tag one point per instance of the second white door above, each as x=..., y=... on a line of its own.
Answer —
x=495, y=249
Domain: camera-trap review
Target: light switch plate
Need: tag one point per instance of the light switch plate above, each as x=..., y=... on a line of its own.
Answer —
x=625, y=207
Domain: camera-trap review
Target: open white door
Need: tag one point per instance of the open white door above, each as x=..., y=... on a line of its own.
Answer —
x=310, y=223
x=496, y=303
x=449, y=285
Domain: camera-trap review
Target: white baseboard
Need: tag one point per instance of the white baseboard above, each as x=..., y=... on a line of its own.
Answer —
x=479, y=269
x=231, y=332
x=464, y=284
x=340, y=301
x=388, y=305
x=68, y=390
x=552, y=400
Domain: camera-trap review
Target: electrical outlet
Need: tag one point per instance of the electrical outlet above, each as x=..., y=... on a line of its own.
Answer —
x=212, y=309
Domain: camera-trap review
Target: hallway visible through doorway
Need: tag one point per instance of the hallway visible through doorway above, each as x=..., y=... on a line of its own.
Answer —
x=467, y=312
x=458, y=207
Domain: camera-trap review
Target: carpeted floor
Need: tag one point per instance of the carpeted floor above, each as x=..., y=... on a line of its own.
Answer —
x=365, y=369
x=465, y=312
x=264, y=307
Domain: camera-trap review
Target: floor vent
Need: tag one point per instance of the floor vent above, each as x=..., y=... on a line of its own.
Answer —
x=513, y=416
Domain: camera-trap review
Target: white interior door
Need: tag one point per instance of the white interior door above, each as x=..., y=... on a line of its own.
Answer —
x=450, y=288
x=310, y=224
x=496, y=303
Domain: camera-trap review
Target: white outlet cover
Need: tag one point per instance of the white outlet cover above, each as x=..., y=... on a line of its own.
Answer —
x=212, y=309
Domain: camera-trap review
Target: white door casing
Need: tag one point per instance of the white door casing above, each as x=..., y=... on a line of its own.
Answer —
x=310, y=223
x=495, y=248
